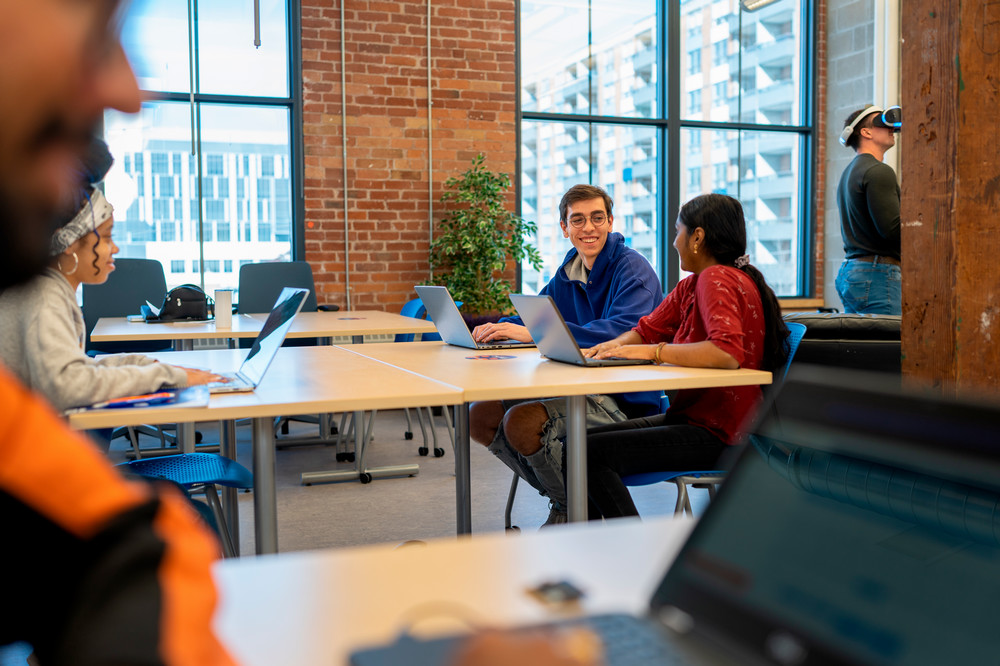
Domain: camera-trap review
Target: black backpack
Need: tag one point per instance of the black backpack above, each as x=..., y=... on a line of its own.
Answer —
x=187, y=302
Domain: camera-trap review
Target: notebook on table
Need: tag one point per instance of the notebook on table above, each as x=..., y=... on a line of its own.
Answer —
x=552, y=335
x=443, y=311
x=265, y=346
x=858, y=526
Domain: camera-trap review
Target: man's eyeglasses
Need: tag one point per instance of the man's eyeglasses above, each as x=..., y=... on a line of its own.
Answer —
x=597, y=219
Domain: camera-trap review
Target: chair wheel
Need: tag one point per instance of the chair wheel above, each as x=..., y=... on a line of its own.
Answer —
x=197, y=437
x=341, y=457
x=349, y=457
x=407, y=435
x=438, y=453
x=333, y=429
x=513, y=528
x=423, y=450
x=365, y=477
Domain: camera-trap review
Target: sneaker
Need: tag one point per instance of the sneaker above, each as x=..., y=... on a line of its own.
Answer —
x=557, y=516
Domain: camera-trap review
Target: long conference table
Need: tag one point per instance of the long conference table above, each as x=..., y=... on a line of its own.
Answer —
x=353, y=323
x=308, y=380
x=313, y=608
x=523, y=374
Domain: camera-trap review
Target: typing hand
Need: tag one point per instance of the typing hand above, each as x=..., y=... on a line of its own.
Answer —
x=501, y=331
x=196, y=377
x=627, y=351
x=600, y=351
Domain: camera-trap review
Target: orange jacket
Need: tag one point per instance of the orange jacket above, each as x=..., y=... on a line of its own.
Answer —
x=96, y=569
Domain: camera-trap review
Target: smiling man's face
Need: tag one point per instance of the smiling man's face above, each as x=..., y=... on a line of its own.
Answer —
x=61, y=66
x=588, y=238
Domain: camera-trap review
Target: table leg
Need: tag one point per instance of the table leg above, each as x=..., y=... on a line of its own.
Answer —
x=463, y=481
x=265, y=500
x=576, y=458
x=230, y=504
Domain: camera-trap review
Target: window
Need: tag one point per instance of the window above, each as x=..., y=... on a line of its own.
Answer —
x=742, y=78
x=235, y=140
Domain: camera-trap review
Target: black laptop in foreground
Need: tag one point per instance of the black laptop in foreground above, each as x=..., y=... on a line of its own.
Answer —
x=860, y=524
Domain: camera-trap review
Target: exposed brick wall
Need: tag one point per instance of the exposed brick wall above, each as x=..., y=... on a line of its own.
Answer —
x=472, y=49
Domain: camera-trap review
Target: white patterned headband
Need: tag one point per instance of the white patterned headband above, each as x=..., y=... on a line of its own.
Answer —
x=95, y=212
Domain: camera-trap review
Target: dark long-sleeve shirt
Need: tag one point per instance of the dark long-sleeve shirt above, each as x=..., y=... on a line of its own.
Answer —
x=868, y=197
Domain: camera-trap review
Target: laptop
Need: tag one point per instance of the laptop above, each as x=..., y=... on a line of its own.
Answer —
x=442, y=310
x=552, y=335
x=265, y=345
x=858, y=526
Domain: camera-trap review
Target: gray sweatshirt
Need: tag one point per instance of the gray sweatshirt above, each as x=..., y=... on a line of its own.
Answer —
x=41, y=341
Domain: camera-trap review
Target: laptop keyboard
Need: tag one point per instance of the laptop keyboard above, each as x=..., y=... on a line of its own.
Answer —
x=629, y=640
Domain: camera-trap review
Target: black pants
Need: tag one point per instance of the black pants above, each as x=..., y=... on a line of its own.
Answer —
x=658, y=443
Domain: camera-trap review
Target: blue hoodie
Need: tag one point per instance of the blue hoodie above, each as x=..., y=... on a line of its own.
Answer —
x=622, y=287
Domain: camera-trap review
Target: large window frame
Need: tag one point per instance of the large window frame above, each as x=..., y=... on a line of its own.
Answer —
x=670, y=121
x=290, y=104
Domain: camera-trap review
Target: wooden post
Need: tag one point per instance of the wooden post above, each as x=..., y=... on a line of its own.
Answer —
x=950, y=178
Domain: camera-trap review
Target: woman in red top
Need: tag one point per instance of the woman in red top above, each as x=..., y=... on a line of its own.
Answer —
x=722, y=316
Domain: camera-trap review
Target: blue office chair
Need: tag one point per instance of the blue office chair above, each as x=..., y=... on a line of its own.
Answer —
x=710, y=479
x=198, y=470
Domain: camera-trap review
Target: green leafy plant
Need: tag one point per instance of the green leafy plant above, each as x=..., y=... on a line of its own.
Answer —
x=477, y=238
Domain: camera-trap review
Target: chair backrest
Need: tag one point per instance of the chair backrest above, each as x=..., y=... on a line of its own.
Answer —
x=260, y=284
x=415, y=309
x=130, y=285
x=795, y=334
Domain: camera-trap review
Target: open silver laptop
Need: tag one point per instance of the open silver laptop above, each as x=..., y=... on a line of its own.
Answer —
x=552, y=335
x=266, y=344
x=443, y=311
x=858, y=526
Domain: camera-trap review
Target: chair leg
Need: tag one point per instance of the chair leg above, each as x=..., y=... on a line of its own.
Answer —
x=510, y=505
x=228, y=549
x=683, y=504
x=423, y=450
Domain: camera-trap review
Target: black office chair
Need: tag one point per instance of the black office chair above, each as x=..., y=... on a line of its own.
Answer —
x=130, y=285
x=259, y=287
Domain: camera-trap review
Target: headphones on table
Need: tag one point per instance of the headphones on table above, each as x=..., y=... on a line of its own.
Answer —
x=891, y=118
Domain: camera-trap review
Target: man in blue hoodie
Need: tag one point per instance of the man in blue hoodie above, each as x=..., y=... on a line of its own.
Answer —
x=601, y=289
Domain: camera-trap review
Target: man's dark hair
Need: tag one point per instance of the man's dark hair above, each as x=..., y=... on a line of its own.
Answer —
x=852, y=141
x=583, y=193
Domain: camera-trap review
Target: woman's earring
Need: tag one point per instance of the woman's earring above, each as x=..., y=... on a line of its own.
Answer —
x=696, y=249
x=76, y=263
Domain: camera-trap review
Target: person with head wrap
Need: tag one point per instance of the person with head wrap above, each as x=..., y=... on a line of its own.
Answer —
x=42, y=330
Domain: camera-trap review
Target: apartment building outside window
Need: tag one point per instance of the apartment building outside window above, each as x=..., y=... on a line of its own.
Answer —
x=203, y=175
x=738, y=120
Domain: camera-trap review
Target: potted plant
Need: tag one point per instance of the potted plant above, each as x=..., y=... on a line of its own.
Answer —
x=477, y=239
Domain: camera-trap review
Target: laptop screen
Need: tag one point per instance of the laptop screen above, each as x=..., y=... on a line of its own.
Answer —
x=859, y=525
x=272, y=334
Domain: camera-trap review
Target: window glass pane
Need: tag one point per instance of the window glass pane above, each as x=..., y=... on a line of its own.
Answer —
x=229, y=63
x=155, y=37
x=759, y=169
x=164, y=225
x=747, y=63
x=556, y=156
x=562, y=72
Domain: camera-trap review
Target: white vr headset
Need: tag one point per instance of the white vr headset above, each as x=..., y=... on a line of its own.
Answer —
x=891, y=118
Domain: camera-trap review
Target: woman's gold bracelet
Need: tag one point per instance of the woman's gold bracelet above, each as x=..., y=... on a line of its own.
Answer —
x=656, y=354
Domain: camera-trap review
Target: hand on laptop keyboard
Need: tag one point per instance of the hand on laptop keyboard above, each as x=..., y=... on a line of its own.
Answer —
x=196, y=377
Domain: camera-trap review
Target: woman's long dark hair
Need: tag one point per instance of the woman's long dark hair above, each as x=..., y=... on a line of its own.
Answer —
x=721, y=218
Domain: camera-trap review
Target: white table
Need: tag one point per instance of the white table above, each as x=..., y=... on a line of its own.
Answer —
x=301, y=380
x=523, y=373
x=353, y=323
x=314, y=608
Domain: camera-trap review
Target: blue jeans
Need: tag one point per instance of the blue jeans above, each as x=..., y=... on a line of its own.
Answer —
x=870, y=288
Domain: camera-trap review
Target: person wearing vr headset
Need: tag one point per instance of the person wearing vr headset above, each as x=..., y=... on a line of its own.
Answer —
x=869, y=280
